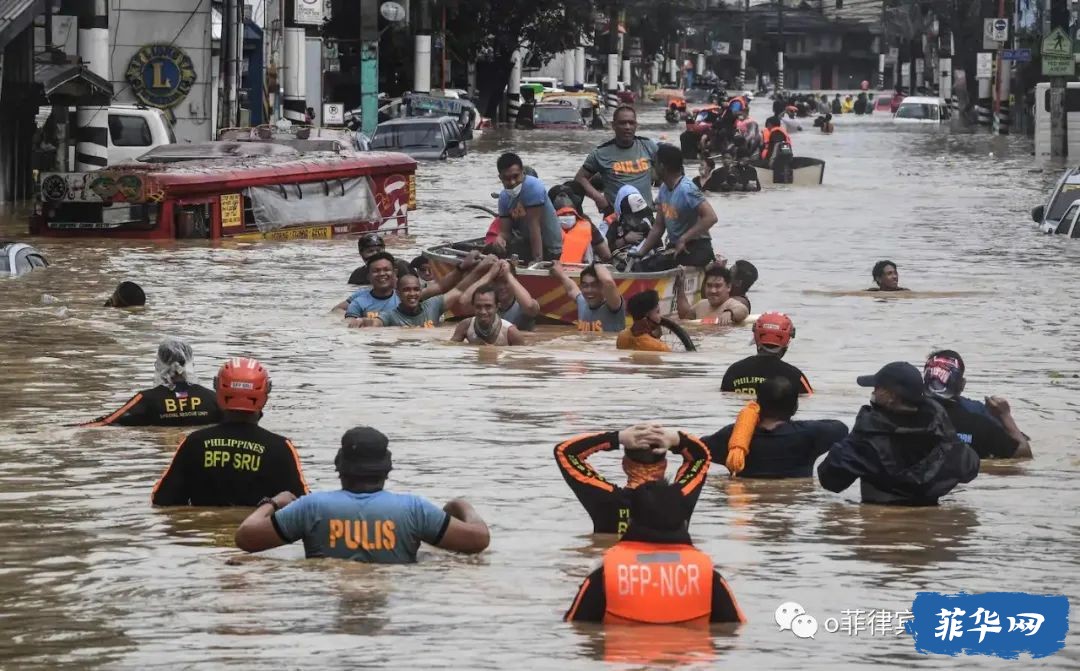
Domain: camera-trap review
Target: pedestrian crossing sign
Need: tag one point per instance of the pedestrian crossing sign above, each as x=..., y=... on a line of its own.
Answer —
x=1057, y=54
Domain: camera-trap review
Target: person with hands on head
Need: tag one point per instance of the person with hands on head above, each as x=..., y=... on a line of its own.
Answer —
x=989, y=429
x=684, y=214
x=516, y=304
x=645, y=450
x=718, y=306
x=363, y=521
x=600, y=306
x=416, y=307
x=486, y=327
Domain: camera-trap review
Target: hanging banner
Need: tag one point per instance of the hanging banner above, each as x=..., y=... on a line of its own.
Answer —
x=309, y=12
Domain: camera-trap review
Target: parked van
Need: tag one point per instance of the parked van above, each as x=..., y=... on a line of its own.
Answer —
x=133, y=131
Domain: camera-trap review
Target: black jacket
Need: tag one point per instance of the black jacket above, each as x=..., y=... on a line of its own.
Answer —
x=901, y=459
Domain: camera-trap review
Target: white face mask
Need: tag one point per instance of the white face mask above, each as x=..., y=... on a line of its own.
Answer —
x=516, y=191
x=567, y=221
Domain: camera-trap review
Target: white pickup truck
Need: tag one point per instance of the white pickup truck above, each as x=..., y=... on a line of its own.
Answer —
x=133, y=131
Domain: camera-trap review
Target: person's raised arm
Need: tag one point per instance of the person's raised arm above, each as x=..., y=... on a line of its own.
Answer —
x=602, y=251
x=612, y=298
x=529, y=305
x=697, y=458
x=999, y=408
x=485, y=271
x=453, y=278
x=258, y=531
x=467, y=531
x=686, y=311
x=571, y=288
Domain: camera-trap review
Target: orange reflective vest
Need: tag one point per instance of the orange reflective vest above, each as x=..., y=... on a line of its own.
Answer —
x=576, y=242
x=657, y=583
x=767, y=134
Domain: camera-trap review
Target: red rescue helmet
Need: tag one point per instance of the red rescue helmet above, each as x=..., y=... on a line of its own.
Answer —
x=242, y=384
x=773, y=329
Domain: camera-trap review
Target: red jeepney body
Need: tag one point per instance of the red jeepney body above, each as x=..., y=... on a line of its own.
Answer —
x=309, y=195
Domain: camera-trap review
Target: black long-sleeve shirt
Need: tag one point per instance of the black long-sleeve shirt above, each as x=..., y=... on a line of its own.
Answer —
x=186, y=405
x=609, y=505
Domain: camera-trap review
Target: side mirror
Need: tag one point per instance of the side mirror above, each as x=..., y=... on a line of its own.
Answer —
x=1037, y=214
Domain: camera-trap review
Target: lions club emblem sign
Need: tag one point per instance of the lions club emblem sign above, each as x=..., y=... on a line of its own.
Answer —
x=160, y=75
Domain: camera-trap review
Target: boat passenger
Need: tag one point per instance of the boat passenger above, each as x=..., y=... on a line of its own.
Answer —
x=600, y=306
x=369, y=245
x=582, y=241
x=989, y=429
x=363, y=521
x=773, y=135
x=645, y=450
x=631, y=221
x=656, y=543
x=236, y=462
x=684, y=214
x=380, y=295
x=626, y=159
x=743, y=276
x=423, y=308
x=644, y=334
x=176, y=400
x=486, y=327
x=886, y=277
x=529, y=226
x=718, y=306
x=773, y=332
x=902, y=448
x=777, y=445
x=126, y=295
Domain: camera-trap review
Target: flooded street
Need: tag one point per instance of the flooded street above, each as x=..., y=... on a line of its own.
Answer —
x=94, y=577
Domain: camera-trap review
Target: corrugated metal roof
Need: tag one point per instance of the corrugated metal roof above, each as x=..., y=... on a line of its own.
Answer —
x=16, y=16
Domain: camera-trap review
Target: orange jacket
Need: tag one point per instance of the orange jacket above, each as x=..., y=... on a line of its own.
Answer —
x=657, y=583
x=642, y=343
x=766, y=146
x=577, y=241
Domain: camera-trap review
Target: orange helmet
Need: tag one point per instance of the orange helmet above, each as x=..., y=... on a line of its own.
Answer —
x=242, y=384
x=773, y=329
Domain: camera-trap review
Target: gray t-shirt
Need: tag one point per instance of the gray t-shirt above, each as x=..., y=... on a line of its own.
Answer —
x=430, y=314
x=621, y=166
x=380, y=527
x=516, y=316
x=600, y=318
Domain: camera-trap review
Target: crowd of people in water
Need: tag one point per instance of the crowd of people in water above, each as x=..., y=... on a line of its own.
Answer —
x=913, y=443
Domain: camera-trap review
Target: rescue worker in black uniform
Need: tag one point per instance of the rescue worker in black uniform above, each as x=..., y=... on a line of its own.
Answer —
x=175, y=401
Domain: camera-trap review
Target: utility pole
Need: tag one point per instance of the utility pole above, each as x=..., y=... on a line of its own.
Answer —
x=1058, y=11
x=884, y=48
x=780, y=54
x=742, y=51
x=369, y=66
x=612, y=99
x=422, y=51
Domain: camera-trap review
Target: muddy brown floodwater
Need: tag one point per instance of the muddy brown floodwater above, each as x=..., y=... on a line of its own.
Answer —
x=93, y=577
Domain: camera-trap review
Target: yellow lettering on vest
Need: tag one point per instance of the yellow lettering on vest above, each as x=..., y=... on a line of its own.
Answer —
x=215, y=458
x=337, y=530
x=195, y=403
x=388, y=535
x=170, y=405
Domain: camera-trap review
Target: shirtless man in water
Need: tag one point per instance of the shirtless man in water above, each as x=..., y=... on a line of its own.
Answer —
x=486, y=327
x=718, y=306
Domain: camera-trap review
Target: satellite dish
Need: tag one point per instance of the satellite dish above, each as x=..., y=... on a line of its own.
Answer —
x=392, y=12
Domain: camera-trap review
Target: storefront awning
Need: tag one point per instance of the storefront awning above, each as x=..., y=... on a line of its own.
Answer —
x=67, y=84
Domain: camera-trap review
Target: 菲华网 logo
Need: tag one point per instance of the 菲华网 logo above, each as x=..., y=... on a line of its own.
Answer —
x=160, y=75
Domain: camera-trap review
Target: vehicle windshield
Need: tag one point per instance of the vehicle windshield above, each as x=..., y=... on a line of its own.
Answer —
x=413, y=136
x=561, y=114
x=1068, y=195
x=917, y=111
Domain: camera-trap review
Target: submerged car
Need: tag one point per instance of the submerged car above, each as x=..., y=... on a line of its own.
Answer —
x=18, y=258
x=1059, y=214
x=431, y=138
x=918, y=109
x=561, y=116
x=883, y=104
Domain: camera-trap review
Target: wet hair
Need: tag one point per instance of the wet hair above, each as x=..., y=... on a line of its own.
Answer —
x=130, y=295
x=641, y=304
x=382, y=256
x=879, y=268
x=507, y=161
x=530, y=171
x=589, y=270
x=743, y=276
x=718, y=271
x=419, y=262
x=778, y=398
x=408, y=275
x=658, y=505
x=624, y=108
x=670, y=156
x=485, y=289
x=951, y=354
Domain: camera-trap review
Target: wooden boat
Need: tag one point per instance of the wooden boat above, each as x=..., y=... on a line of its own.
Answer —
x=555, y=305
x=803, y=171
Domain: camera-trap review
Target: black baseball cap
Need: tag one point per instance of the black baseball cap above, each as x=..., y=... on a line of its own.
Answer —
x=899, y=377
x=363, y=452
x=370, y=240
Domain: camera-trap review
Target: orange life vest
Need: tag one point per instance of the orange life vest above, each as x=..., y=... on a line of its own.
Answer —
x=768, y=132
x=657, y=583
x=577, y=241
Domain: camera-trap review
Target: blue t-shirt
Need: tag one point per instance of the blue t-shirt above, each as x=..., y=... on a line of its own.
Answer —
x=533, y=194
x=364, y=304
x=380, y=527
x=600, y=318
x=430, y=314
x=679, y=207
